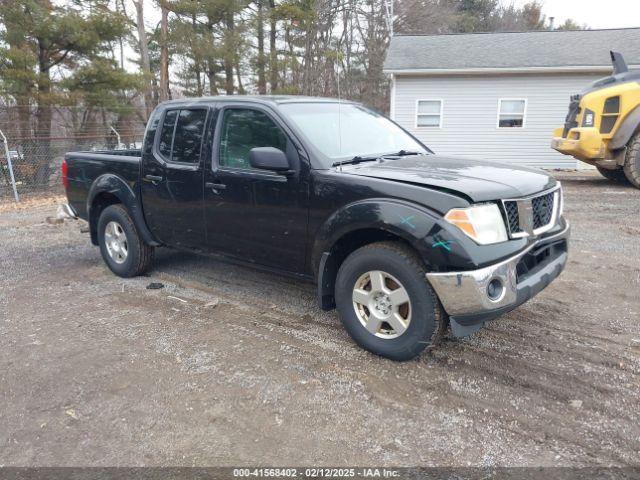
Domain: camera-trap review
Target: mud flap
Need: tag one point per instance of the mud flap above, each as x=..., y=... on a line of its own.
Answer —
x=459, y=330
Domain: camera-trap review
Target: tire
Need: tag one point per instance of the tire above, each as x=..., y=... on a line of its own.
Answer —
x=400, y=268
x=632, y=161
x=616, y=175
x=129, y=256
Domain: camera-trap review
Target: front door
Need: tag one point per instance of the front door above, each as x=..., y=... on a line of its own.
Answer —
x=255, y=215
x=172, y=179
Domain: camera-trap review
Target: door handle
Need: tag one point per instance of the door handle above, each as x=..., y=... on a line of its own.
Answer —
x=215, y=186
x=154, y=178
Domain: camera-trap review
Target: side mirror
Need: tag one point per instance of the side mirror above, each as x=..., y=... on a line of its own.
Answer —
x=269, y=158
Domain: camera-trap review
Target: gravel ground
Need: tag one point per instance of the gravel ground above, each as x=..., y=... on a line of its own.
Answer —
x=229, y=366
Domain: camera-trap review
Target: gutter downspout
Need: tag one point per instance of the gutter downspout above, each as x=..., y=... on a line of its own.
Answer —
x=392, y=100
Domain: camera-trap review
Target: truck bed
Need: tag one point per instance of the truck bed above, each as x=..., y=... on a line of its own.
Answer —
x=83, y=168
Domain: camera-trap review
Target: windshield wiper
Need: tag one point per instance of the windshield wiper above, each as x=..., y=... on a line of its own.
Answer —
x=355, y=160
x=401, y=153
x=358, y=158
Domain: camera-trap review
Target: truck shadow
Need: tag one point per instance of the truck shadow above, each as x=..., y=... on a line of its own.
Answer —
x=244, y=283
x=595, y=182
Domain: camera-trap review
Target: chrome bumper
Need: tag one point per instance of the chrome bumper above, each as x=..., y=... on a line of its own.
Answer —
x=464, y=295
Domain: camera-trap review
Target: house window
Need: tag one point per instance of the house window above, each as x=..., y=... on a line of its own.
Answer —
x=429, y=113
x=511, y=112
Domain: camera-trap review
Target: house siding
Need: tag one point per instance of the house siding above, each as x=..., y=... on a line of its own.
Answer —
x=470, y=109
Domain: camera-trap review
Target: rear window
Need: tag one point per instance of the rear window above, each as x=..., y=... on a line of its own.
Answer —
x=181, y=135
x=166, y=133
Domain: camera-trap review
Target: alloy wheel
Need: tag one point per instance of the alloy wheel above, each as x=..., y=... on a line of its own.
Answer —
x=116, y=242
x=382, y=304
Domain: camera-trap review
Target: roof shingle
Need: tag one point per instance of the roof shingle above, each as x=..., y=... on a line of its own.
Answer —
x=540, y=49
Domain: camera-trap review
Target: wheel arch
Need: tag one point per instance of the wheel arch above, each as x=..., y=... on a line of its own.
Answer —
x=360, y=224
x=110, y=189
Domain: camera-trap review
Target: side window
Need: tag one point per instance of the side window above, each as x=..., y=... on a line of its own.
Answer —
x=244, y=129
x=188, y=137
x=181, y=135
x=166, y=133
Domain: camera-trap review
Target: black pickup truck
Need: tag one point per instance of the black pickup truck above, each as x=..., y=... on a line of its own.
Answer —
x=400, y=240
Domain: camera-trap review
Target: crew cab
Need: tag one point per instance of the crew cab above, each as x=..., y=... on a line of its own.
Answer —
x=400, y=240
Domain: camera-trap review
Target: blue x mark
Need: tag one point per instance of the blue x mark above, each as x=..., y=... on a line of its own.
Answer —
x=407, y=221
x=444, y=244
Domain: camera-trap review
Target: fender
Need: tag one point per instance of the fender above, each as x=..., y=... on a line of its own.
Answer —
x=423, y=229
x=626, y=129
x=117, y=186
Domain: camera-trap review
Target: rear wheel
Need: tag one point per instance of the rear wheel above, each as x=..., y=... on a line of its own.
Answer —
x=122, y=248
x=385, y=302
x=616, y=175
x=632, y=161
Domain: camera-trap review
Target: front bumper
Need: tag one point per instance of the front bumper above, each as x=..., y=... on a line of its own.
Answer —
x=464, y=295
x=583, y=143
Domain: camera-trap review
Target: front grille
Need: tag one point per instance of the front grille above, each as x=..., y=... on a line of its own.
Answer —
x=532, y=215
x=513, y=218
x=542, y=209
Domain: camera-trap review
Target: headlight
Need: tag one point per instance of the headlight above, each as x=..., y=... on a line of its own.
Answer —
x=483, y=223
x=588, y=120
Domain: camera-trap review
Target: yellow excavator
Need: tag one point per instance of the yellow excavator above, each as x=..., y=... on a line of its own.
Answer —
x=602, y=127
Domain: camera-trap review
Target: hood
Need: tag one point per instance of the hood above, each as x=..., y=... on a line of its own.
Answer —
x=479, y=180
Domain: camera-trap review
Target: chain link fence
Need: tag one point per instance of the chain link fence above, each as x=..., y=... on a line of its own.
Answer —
x=36, y=160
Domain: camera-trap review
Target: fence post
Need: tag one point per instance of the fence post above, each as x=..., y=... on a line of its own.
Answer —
x=13, y=179
x=117, y=136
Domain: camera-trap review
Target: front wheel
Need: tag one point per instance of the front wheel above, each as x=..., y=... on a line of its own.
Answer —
x=632, y=161
x=385, y=302
x=122, y=248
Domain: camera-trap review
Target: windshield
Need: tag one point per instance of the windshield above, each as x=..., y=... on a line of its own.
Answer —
x=343, y=131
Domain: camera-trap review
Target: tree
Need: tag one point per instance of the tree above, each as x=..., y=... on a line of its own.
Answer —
x=425, y=16
x=163, y=90
x=273, y=51
x=532, y=16
x=261, y=59
x=145, y=63
x=570, y=24
x=476, y=15
x=41, y=36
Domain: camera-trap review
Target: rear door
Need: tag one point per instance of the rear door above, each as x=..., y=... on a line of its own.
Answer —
x=172, y=178
x=255, y=215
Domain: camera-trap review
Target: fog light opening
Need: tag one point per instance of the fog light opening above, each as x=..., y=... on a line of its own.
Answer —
x=495, y=290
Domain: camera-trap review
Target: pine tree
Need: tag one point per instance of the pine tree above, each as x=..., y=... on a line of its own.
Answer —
x=74, y=39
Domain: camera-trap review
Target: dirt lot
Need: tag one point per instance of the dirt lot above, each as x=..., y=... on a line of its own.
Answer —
x=229, y=366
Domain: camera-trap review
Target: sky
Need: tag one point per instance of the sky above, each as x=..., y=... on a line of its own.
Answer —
x=593, y=13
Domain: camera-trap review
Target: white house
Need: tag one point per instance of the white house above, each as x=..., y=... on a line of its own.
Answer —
x=498, y=96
